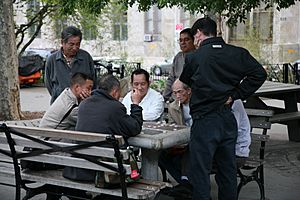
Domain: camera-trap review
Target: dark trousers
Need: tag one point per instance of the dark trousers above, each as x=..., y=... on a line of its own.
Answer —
x=213, y=136
x=175, y=164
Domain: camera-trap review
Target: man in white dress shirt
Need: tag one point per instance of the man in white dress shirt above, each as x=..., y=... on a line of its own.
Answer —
x=152, y=102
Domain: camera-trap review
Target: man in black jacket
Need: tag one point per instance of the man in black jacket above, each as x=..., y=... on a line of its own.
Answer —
x=103, y=113
x=218, y=74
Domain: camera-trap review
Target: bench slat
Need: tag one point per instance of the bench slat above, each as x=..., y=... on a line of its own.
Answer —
x=259, y=137
x=74, y=162
x=259, y=122
x=96, y=151
x=284, y=117
x=259, y=112
x=65, y=134
x=253, y=162
x=54, y=177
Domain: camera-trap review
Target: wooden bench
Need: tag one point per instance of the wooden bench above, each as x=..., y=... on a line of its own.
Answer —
x=285, y=117
x=14, y=138
x=253, y=169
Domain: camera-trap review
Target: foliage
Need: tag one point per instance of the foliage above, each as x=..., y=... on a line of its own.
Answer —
x=35, y=18
x=235, y=10
x=158, y=85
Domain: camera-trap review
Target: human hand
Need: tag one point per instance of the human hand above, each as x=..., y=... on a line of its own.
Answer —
x=136, y=96
x=84, y=94
x=196, y=42
x=229, y=101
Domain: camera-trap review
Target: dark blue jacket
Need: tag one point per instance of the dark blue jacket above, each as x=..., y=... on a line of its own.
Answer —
x=101, y=113
x=217, y=70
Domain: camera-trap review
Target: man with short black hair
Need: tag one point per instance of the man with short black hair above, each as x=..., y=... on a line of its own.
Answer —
x=62, y=114
x=103, y=113
x=218, y=74
x=152, y=101
x=67, y=61
x=186, y=43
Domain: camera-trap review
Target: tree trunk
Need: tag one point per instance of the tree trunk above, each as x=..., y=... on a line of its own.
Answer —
x=219, y=24
x=9, y=83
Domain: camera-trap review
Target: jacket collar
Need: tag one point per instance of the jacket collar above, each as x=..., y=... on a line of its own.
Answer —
x=101, y=92
x=212, y=40
x=78, y=56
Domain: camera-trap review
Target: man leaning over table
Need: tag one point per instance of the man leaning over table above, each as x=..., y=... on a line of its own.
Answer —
x=103, y=113
x=218, y=74
x=152, y=101
x=62, y=114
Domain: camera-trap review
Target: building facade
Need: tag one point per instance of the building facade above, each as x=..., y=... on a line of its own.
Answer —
x=152, y=37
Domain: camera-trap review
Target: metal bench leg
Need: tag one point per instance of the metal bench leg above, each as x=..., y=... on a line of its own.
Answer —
x=243, y=181
x=261, y=184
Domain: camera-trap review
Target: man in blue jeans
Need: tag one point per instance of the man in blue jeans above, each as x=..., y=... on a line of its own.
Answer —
x=218, y=74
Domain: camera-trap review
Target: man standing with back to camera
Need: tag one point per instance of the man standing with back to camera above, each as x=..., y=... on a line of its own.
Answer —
x=218, y=74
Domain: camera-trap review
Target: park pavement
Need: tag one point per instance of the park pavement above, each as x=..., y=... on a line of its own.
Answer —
x=282, y=168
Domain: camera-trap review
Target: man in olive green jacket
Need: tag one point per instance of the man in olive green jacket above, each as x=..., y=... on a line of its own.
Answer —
x=179, y=109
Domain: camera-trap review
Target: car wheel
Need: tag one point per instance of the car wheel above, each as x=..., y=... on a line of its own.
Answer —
x=157, y=71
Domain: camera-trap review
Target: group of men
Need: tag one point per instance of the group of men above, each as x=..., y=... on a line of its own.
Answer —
x=208, y=80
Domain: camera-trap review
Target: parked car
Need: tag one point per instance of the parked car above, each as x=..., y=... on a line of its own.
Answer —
x=31, y=65
x=162, y=69
x=44, y=53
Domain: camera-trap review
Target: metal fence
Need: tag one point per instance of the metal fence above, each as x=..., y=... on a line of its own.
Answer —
x=123, y=69
x=118, y=68
x=285, y=73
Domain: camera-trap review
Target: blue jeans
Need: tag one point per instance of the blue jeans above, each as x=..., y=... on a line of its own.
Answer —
x=213, y=136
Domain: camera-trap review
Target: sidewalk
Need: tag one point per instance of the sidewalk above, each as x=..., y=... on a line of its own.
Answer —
x=282, y=168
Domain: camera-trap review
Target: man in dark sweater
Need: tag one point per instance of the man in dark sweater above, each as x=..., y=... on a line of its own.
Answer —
x=103, y=113
x=218, y=74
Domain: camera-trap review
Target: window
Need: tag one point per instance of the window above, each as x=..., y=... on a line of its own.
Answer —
x=59, y=25
x=260, y=22
x=33, y=7
x=238, y=32
x=263, y=23
x=89, y=32
x=186, y=18
x=153, y=22
x=120, y=30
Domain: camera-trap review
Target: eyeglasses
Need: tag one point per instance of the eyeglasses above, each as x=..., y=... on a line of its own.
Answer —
x=178, y=92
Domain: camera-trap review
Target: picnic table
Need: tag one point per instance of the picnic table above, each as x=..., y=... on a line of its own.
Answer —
x=155, y=137
x=289, y=115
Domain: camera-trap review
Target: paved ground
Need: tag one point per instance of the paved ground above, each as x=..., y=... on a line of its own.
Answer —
x=282, y=169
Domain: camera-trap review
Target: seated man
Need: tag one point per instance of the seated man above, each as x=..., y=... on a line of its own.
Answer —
x=62, y=114
x=103, y=113
x=175, y=160
x=152, y=101
x=179, y=110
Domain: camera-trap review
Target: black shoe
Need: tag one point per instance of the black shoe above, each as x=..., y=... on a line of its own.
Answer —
x=182, y=190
